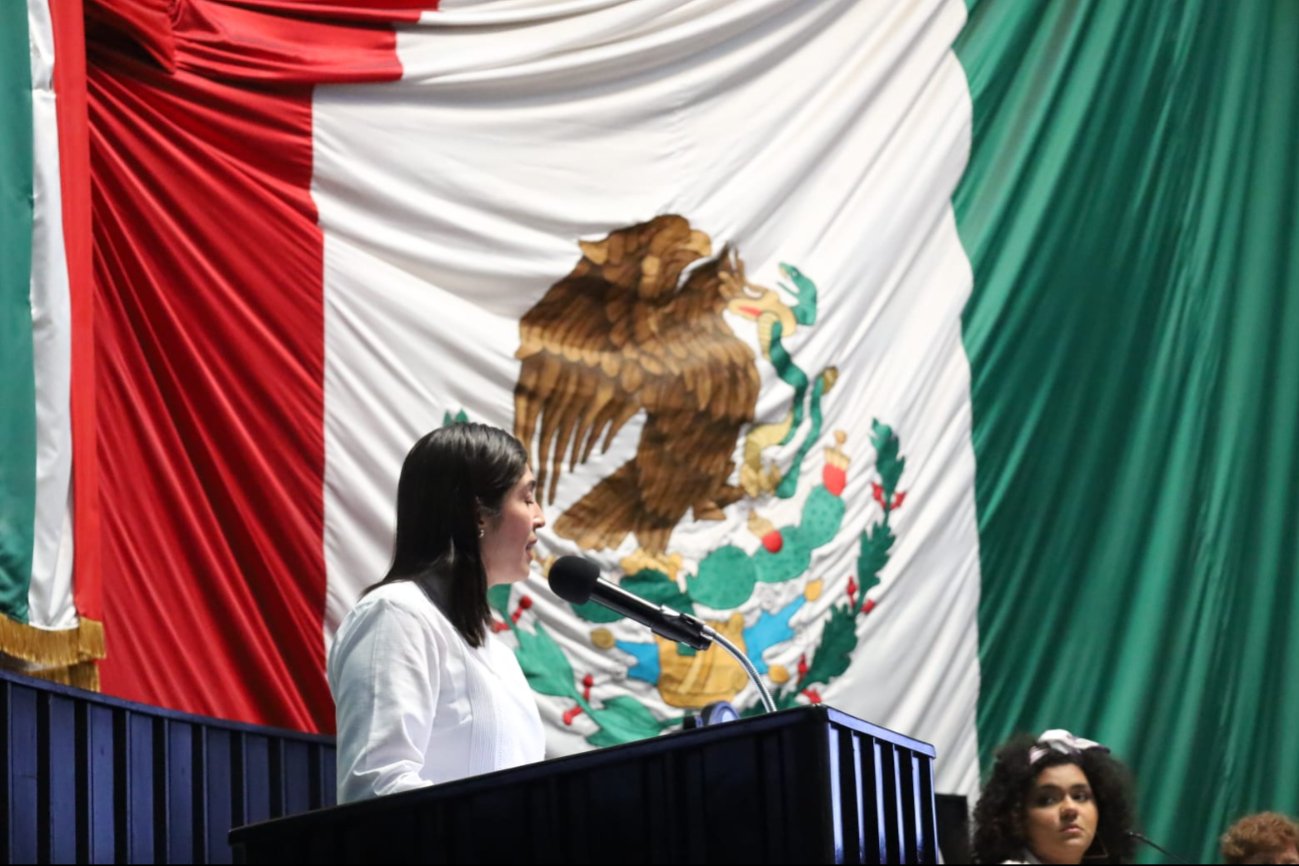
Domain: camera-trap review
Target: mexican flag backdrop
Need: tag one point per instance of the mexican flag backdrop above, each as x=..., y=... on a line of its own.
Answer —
x=942, y=355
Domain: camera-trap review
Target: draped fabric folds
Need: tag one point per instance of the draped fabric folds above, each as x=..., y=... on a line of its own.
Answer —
x=318, y=225
x=1131, y=210
x=212, y=473
x=301, y=266
x=50, y=626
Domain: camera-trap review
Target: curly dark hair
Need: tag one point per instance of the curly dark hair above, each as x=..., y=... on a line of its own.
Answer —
x=1000, y=813
x=1264, y=834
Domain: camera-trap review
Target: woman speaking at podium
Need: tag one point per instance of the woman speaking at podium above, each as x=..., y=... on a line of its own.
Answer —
x=424, y=692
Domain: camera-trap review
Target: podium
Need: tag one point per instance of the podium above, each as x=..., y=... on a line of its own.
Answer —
x=805, y=785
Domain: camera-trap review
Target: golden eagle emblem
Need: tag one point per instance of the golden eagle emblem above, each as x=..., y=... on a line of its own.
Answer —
x=638, y=326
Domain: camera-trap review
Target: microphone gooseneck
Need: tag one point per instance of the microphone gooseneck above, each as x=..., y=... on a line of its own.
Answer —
x=1176, y=858
x=577, y=581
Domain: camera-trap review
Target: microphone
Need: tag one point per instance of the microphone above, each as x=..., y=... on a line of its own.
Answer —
x=1177, y=858
x=577, y=580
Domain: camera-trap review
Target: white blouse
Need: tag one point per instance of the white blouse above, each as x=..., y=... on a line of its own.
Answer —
x=416, y=705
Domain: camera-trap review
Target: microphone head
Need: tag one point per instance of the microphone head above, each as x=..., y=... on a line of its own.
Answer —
x=572, y=578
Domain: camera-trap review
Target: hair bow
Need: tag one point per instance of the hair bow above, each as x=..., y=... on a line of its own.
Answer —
x=1060, y=740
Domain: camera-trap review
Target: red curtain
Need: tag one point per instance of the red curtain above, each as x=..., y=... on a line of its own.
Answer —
x=208, y=344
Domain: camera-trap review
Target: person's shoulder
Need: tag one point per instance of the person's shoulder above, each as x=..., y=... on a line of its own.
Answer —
x=398, y=611
x=398, y=593
x=400, y=599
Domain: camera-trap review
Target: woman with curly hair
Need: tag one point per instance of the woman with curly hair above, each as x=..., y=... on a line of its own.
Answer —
x=1054, y=799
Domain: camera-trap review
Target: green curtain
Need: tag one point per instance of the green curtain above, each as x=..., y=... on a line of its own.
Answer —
x=1131, y=211
x=18, y=384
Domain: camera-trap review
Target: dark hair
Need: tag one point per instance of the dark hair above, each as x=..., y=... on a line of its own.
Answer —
x=451, y=478
x=1000, y=813
x=1263, y=835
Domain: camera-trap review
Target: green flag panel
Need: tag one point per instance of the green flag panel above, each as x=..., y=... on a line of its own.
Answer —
x=1131, y=214
x=17, y=384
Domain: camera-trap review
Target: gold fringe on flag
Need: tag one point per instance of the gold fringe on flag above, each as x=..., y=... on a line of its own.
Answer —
x=62, y=656
x=84, y=675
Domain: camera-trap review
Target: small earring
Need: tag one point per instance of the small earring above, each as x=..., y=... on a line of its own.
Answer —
x=480, y=532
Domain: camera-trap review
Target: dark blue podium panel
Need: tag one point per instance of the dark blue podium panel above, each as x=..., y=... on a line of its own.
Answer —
x=90, y=779
x=807, y=785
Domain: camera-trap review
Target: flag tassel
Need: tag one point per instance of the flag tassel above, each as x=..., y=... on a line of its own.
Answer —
x=64, y=656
